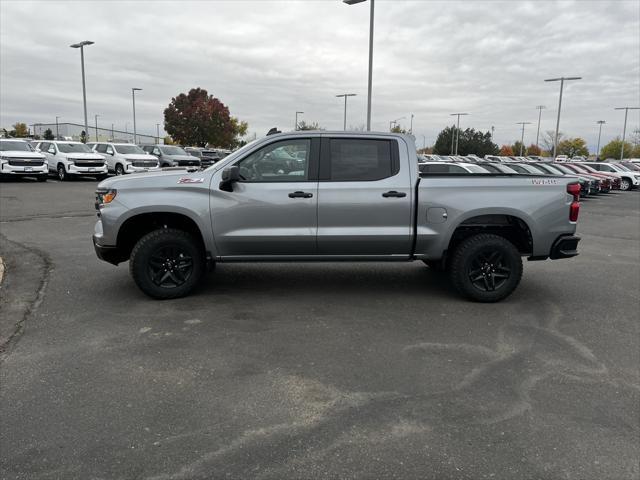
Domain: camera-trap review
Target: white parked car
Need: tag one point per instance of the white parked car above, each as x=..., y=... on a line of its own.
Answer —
x=124, y=158
x=69, y=159
x=628, y=179
x=19, y=159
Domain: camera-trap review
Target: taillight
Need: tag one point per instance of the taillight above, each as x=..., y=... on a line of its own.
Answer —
x=574, y=189
x=574, y=210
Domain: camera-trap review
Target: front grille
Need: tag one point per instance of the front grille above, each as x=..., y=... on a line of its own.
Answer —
x=25, y=162
x=189, y=163
x=89, y=163
x=144, y=163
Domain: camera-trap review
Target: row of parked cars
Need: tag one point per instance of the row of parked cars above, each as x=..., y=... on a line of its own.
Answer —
x=67, y=159
x=594, y=177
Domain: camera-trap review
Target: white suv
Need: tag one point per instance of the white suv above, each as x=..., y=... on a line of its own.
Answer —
x=72, y=158
x=18, y=159
x=628, y=179
x=124, y=158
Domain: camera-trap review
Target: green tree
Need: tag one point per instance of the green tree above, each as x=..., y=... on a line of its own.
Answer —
x=20, y=130
x=470, y=141
x=534, y=150
x=612, y=149
x=572, y=147
x=197, y=118
x=398, y=129
x=309, y=126
x=48, y=134
x=516, y=148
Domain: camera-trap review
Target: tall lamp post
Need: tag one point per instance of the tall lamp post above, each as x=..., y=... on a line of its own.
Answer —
x=411, y=126
x=599, y=122
x=157, y=133
x=345, y=95
x=133, y=96
x=624, y=129
x=57, y=134
x=296, y=128
x=457, y=131
x=81, y=46
x=522, y=137
x=96, y=119
x=561, y=80
x=371, y=11
x=540, y=108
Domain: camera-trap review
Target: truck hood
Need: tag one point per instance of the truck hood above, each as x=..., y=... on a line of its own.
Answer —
x=181, y=157
x=157, y=180
x=139, y=156
x=84, y=156
x=22, y=154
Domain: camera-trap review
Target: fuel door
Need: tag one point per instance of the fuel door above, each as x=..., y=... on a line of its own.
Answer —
x=436, y=215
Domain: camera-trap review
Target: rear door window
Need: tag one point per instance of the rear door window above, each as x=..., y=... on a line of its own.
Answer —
x=350, y=159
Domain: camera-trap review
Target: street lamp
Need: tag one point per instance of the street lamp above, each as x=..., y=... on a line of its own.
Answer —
x=522, y=137
x=345, y=95
x=96, y=118
x=599, y=122
x=133, y=95
x=297, y=119
x=561, y=80
x=457, y=131
x=624, y=129
x=540, y=108
x=411, y=127
x=371, y=11
x=158, y=133
x=81, y=46
x=57, y=134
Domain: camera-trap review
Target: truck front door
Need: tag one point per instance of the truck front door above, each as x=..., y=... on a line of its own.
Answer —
x=272, y=211
x=364, y=198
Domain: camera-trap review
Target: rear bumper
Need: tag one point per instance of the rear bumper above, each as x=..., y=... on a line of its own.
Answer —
x=566, y=246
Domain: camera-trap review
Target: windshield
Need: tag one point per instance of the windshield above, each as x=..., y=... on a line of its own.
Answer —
x=128, y=149
x=475, y=168
x=173, y=151
x=565, y=170
x=73, y=148
x=17, y=146
x=618, y=168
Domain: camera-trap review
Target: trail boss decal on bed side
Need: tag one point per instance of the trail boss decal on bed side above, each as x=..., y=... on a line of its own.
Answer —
x=544, y=181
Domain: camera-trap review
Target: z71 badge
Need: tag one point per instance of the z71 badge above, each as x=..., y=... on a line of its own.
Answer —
x=184, y=180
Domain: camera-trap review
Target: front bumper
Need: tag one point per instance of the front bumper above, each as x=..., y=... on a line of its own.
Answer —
x=133, y=169
x=24, y=170
x=78, y=170
x=566, y=246
x=107, y=253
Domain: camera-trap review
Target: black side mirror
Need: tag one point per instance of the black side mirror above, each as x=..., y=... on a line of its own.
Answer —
x=230, y=175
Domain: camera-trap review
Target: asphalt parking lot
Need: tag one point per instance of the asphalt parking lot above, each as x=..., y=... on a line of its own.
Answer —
x=314, y=370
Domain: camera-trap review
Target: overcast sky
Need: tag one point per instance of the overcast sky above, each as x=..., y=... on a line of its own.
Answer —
x=266, y=59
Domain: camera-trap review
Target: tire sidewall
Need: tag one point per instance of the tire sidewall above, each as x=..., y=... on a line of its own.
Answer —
x=119, y=170
x=467, y=252
x=625, y=185
x=62, y=173
x=150, y=243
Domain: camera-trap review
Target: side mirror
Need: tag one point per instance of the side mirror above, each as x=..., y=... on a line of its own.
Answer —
x=230, y=175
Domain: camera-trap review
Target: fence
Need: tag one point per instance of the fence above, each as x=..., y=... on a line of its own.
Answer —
x=65, y=131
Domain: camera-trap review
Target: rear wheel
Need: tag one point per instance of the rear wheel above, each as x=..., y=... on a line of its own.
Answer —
x=625, y=184
x=486, y=268
x=167, y=263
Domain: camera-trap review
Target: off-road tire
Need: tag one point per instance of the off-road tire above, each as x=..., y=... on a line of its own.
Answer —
x=147, y=250
x=472, y=252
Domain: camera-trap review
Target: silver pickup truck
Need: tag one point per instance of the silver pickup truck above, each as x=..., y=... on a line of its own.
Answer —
x=333, y=196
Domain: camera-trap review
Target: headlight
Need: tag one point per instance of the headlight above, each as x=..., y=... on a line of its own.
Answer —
x=70, y=160
x=105, y=196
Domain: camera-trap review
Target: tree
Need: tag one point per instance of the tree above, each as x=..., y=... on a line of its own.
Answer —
x=397, y=129
x=572, y=147
x=309, y=126
x=548, y=139
x=83, y=136
x=505, y=151
x=470, y=141
x=197, y=118
x=48, y=134
x=517, y=147
x=20, y=130
x=612, y=149
x=534, y=150
x=167, y=140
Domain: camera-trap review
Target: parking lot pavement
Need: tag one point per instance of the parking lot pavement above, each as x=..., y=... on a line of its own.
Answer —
x=320, y=370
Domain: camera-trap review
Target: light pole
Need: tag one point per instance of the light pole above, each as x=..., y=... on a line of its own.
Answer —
x=371, y=11
x=599, y=122
x=522, y=137
x=157, y=133
x=411, y=127
x=112, y=134
x=540, y=108
x=96, y=119
x=133, y=95
x=561, y=80
x=624, y=129
x=57, y=134
x=492, y=130
x=297, y=119
x=424, y=142
x=345, y=95
x=457, y=130
x=81, y=46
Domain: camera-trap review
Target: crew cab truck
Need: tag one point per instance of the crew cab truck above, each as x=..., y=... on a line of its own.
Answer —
x=18, y=159
x=334, y=196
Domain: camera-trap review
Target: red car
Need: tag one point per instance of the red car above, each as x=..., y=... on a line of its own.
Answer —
x=613, y=180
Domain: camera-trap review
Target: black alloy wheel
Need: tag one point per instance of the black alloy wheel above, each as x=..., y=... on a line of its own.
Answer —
x=170, y=266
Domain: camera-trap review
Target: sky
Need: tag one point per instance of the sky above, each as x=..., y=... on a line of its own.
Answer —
x=268, y=59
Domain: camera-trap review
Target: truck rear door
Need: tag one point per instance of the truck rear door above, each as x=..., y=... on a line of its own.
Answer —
x=364, y=198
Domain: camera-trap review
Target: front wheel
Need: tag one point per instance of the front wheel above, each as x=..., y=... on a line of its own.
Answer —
x=119, y=170
x=625, y=184
x=486, y=268
x=62, y=173
x=167, y=263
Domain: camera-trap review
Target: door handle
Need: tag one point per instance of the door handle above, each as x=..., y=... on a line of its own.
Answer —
x=299, y=194
x=393, y=193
